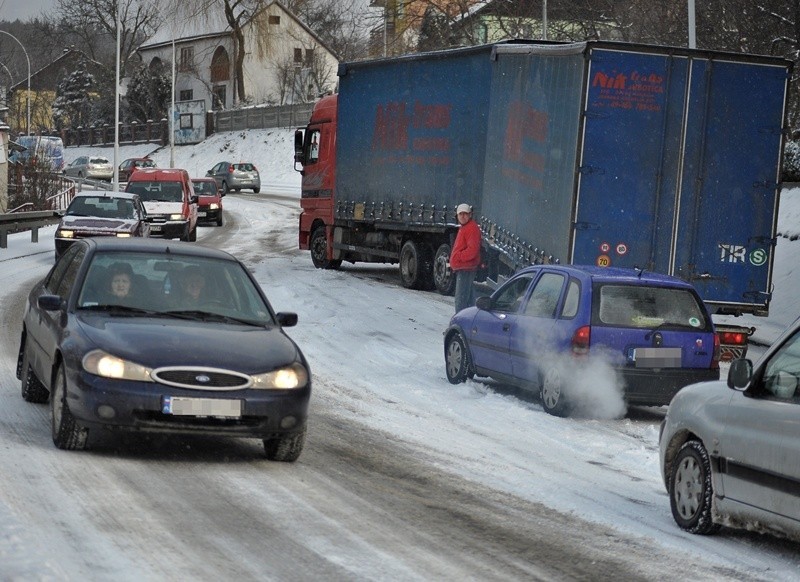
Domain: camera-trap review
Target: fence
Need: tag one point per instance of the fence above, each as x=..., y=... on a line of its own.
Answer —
x=129, y=133
x=260, y=117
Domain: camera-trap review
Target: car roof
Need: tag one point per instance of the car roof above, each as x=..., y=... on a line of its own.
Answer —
x=165, y=174
x=166, y=246
x=614, y=274
x=105, y=194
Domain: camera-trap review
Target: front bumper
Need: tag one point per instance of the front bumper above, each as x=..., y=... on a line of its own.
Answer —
x=657, y=386
x=140, y=406
x=169, y=228
x=205, y=214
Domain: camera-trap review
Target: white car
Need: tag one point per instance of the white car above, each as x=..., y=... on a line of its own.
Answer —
x=92, y=167
x=730, y=451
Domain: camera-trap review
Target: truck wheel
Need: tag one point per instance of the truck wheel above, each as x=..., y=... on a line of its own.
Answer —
x=443, y=278
x=416, y=265
x=319, y=250
x=691, y=490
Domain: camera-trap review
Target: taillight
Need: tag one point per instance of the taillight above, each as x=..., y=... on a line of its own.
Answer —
x=581, y=340
x=255, y=169
x=717, y=351
x=230, y=169
x=731, y=338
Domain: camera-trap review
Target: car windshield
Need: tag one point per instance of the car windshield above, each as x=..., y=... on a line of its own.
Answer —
x=144, y=164
x=101, y=206
x=644, y=306
x=187, y=287
x=208, y=188
x=157, y=191
x=244, y=167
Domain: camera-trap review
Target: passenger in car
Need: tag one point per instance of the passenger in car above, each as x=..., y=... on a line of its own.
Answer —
x=121, y=283
x=193, y=285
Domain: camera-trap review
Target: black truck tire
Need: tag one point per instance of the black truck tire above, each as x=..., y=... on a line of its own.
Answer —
x=443, y=278
x=319, y=250
x=416, y=265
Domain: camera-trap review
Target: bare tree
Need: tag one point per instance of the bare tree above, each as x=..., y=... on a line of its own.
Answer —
x=95, y=23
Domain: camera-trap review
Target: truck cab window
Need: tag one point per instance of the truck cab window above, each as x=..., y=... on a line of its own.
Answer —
x=313, y=146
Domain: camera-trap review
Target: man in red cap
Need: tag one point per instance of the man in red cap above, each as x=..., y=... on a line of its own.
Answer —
x=465, y=257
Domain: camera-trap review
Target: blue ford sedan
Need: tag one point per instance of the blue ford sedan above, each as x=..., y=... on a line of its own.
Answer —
x=653, y=330
x=161, y=336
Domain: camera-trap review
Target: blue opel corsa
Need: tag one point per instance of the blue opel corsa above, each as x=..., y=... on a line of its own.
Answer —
x=653, y=330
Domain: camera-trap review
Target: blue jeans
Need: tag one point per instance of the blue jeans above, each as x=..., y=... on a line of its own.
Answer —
x=465, y=293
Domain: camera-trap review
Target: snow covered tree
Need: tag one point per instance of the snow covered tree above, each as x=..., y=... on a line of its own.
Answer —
x=149, y=94
x=75, y=97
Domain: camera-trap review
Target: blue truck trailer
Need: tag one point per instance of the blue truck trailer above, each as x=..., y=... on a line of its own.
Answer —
x=662, y=158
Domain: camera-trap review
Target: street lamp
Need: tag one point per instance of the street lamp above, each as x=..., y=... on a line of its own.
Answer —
x=29, y=77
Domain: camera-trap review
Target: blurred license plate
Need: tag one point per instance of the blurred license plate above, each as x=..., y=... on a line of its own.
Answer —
x=201, y=214
x=155, y=228
x=657, y=357
x=180, y=406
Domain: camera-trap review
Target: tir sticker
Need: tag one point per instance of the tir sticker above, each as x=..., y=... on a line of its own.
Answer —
x=732, y=253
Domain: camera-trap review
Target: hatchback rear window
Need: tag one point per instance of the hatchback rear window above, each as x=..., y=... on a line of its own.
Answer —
x=245, y=167
x=98, y=161
x=643, y=306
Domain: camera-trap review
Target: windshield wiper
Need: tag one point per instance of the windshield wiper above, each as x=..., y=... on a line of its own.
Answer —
x=120, y=309
x=209, y=316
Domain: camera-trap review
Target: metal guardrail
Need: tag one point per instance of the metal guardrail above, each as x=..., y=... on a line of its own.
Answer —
x=22, y=221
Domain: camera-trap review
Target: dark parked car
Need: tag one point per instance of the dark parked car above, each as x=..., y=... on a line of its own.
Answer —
x=730, y=451
x=161, y=336
x=235, y=177
x=99, y=213
x=653, y=330
x=92, y=167
x=127, y=167
x=209, y=201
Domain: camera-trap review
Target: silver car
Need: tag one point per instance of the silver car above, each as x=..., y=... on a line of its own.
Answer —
x=235, y=177
x=92, y=167
x=730, y=451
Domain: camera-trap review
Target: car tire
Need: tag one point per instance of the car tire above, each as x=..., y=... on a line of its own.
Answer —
x=31, y=388
x=319, y=250
x=219, y=220
x=691, y=491
x=223, y=188
x=416, y=265
x=457, y=359
x=286, y=448
x=256, y=190
x=193, y=234
x=67, y=433
x=551, y=393
x=443, y=278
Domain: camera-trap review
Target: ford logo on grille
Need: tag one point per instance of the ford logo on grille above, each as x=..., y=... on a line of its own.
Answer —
x=202, y=378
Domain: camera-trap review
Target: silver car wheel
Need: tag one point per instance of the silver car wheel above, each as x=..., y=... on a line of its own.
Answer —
x=551, y=388
x=688, y=488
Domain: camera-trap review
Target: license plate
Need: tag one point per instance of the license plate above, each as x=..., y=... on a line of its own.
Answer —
x=155, y=228
x=657, y=357
x=201, y=214
x=181, y=406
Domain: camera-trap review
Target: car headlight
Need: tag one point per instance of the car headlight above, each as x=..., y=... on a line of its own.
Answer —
x=103, y=364
x=65, y=233
x=294, y=376
x=176, y=216
x=123, y=235
x=213, y=206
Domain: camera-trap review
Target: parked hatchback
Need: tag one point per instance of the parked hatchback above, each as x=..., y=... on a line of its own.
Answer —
x=127, y=167
x=653, y=330
x=91, y=167
x=730, y=451
x=235, y=177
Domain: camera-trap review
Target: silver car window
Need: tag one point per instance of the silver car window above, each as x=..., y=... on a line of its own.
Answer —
x=782, y=373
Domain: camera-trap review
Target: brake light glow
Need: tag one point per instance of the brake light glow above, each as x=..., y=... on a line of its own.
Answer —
x=581, y=340
x=717, y=352
x=732, y=338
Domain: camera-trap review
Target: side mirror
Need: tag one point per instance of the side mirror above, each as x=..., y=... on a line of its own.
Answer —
x=299, y=156
x=484, y=303
x=287, y=319
x=50, y=302
x=193, y=199
x=740, y=374
x=209, y=173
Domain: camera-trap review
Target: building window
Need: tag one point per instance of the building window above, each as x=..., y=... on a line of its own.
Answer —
x=186, y=62
x=309, y=57
x=218, y=97
x=298, y=56
x=274, y=19
x=186, y=121
x=220, y=66
x=186, y=95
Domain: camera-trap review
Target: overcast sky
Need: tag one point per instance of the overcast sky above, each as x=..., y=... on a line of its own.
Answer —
x=24, y=9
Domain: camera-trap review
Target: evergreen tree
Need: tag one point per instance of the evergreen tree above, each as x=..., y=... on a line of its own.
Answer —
x=75, y=97
x=149, y=94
